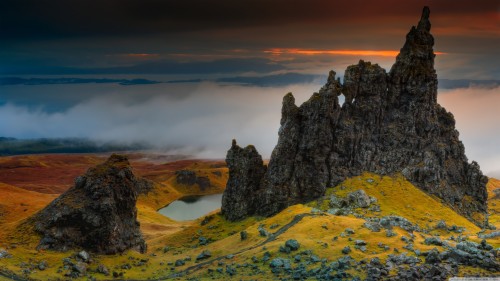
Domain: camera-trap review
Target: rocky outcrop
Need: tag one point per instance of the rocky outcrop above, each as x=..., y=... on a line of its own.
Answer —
x=246, y=169
x=187, y=177
x=97, y=214
x=389, y=123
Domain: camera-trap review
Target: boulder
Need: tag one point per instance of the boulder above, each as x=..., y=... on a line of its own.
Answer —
x=432, y=256
x=204, y=255
x=359, y=199
x=4, y=254
x=84, y=256
x=346, y=250
x=293, y=244
x=97, y=214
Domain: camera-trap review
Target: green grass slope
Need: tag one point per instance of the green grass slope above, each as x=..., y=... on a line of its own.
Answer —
x=174, y=248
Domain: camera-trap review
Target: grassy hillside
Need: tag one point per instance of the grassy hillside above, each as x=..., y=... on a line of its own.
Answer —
x=55, y=173
x=323, y=236
x=322, y=232
x=494, y=201
x=398, y=197
x=17, y=204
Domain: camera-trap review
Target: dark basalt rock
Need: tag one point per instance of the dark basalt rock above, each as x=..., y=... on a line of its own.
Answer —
x=246, y=169
x=189, y=178
x=359, y=198
x=390, y=123
x=185, y=177
x=97, y=214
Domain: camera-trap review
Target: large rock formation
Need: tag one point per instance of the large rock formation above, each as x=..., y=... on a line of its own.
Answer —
x=98, y=213
x=389, y=123
x=246, y=170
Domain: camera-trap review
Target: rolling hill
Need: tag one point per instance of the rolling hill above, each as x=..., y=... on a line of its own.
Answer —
x=396, y=230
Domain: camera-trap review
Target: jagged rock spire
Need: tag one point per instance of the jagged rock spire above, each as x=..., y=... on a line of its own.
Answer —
x=246, y=170
x=390, y=123
x=413, y=77
x=424, y=23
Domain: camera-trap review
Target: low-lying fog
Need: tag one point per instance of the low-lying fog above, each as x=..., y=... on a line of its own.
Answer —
x=202, y=118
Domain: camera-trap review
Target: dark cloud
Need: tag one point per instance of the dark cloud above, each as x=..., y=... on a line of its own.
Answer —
x=261, y=81
x=272, y=80
x=275, y=80
x=65, y=80
x=234, y=65
x=94, y=37
x=466, y=83
x=63, y=18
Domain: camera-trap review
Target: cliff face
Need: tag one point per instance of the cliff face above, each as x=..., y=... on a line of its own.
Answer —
x=246, y=170
x=98, y=213
x=389, y=123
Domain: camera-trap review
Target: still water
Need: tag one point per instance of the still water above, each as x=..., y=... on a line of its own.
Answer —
x=192, y=207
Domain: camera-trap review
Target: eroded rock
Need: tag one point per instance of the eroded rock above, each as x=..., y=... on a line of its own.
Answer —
x=189, y=178
x=97, y=214
x=359, y=198
x=390, y=123
x=246, y=171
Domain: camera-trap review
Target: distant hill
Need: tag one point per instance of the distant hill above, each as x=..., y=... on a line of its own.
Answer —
x=12, y=146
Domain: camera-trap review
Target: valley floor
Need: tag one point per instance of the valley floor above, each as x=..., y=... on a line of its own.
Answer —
x=389, y=230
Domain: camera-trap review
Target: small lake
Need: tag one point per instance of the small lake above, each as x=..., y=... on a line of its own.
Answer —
x=192, y=207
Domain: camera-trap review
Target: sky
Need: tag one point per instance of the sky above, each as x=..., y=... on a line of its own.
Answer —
x=217, y=70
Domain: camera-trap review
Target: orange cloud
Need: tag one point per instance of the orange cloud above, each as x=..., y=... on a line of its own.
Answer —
x=310, y=52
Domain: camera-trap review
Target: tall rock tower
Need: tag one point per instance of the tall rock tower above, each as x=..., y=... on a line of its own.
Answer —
x=389, y=123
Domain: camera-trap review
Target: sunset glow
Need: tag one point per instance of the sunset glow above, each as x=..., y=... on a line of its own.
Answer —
x=249, y=140
x=310, y=52
x=67, y=76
